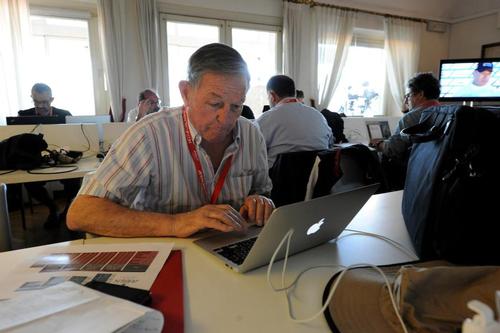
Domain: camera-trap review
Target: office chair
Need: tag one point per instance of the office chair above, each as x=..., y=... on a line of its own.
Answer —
x=291, y=175
x=5, y=234
x=360, y=167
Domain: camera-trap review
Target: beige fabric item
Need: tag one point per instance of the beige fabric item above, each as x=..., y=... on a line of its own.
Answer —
x=432, y=297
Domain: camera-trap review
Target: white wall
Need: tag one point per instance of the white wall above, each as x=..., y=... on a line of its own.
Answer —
x=468, y=8
x=466, y=37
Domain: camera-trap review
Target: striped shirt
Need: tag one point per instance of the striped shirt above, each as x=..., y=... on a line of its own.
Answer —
x=149, y=168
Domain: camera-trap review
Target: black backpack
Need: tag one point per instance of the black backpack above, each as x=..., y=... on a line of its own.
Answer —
x=22, y=151
x=450, y=199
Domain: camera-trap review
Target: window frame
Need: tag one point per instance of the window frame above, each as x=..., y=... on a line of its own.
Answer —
x=225, y=36
x=101, y=99
x=370, y=38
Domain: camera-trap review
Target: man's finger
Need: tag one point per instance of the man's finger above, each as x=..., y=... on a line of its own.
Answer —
x=268, y=210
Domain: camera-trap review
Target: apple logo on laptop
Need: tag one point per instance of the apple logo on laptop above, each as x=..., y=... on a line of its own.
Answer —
x=315, y=227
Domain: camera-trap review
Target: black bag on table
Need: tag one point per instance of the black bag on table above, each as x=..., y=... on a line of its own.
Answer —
x=451, y=193
x=22, y=151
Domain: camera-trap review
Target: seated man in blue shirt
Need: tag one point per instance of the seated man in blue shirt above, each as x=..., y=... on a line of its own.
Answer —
x=289, y=125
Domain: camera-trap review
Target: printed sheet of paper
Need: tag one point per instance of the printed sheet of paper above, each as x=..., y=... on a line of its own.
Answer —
x=69, y=307
x=134, y=265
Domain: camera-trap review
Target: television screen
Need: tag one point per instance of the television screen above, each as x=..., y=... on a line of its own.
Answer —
x=470, y=79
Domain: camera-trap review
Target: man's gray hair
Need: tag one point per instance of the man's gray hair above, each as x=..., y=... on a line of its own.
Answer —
x=41, y=88
x=216, y=58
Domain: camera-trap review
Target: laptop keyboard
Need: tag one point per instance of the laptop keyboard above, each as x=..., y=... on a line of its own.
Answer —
x=236, y=252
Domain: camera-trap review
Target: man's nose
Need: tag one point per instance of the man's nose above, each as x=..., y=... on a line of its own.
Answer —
x=225, y=115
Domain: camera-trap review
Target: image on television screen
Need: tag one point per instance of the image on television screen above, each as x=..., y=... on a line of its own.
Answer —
x=470, y=79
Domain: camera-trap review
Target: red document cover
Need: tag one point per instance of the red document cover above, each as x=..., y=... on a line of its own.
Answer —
x=167, y=293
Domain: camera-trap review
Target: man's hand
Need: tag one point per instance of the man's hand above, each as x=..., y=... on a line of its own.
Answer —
x=378, y=144
x=144, y=107
x=219, y=217
x=257, y=209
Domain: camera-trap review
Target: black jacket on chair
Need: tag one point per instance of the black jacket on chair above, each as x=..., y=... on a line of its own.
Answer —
x=291, y=171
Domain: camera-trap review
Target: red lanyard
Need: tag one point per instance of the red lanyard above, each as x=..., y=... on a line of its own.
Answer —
x=197, y=164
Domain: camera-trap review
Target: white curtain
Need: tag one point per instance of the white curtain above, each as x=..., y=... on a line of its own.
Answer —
x=130, y=39
x=334, y=35
x=402, y=47
x=149, y=40
x=111, y=15
x=15, y=40
x=316, y=42
x=299, y=50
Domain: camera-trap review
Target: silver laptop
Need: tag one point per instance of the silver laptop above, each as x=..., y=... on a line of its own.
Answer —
x=314, y=222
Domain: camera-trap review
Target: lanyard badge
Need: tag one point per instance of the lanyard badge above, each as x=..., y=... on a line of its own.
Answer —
x=197, y=164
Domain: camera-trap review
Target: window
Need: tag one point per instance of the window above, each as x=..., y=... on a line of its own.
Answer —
x=361, y=86
x=260, y=46
x=260, y=50
x=61, y=59
x=183, y=38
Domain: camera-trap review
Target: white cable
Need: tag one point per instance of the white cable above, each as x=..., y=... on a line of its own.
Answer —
x=288, y=237
x=386, y=239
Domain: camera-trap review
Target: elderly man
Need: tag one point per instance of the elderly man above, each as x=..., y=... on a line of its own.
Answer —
x=148, y=102
x=177, y=172
x=289, y=125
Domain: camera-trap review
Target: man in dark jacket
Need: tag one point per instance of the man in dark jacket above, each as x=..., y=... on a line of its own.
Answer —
x=42, y=99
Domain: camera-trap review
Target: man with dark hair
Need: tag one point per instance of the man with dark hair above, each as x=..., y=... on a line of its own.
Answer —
x=195, y=167
x=300, y=96
x=148, y=102
x=289, y=125
x=42, y=99
x=423, y=92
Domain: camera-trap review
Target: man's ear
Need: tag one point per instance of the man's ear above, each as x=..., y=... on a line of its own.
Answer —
x=185, y=89
x=274, y=98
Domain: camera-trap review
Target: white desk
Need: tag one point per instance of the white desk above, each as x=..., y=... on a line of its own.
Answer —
x=85, y=166
x=220, y=300
x=356, y=131
x=80, y=137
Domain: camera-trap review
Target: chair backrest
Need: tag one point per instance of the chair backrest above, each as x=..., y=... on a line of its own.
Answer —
x=360, y=167
x=291, y=174
x=5, y=234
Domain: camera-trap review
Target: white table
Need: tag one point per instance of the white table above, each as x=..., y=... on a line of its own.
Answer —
x=85, y=166
x=220, y=300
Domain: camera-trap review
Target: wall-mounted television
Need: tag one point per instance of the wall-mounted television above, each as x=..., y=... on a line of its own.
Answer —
x=470, y=79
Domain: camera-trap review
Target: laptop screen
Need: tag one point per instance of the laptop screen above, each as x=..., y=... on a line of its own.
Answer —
x=378, y=129
x=34, y=120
